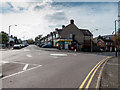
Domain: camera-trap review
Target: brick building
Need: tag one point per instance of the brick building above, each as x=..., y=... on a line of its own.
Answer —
x=107, y=42
x=68, y=36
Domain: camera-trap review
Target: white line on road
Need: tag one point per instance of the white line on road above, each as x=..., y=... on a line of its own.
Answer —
x=28, y=55
x=58, y=54
x=20, y=72
x=4, y=62
x=25, y=67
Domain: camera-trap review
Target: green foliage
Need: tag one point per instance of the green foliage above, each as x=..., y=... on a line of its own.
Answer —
x=30, y=41
x=117, y=38
x=37, y=39
x=4, y=38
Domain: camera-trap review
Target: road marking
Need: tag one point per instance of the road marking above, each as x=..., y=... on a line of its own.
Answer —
x=25, y=67
x=21, y=72
x=58, y=54
x=4, y=62
x=95, y=68
x=28, y=55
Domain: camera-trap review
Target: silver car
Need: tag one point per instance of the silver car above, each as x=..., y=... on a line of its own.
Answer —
x=17, y=46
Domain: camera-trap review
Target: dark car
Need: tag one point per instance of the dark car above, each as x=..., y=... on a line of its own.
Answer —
x=47, y=46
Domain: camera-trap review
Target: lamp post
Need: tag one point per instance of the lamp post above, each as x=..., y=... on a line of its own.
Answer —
x=91, y=38
x=115, y=35
x=9, y=33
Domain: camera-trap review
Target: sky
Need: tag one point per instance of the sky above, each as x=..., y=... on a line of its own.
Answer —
x=43, y=16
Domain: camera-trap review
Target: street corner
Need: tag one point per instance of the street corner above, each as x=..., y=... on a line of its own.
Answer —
x=93, y=78
x=106, y=75
x=13, y=68
x=109, y=77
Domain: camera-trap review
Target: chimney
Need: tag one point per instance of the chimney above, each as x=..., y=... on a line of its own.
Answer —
x=63, y=26
x=71, y=21
x=56, y=29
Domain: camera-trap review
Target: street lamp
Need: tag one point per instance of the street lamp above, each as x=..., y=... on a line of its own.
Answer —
x=91, y=38
x=115, y=35
x=9, y=33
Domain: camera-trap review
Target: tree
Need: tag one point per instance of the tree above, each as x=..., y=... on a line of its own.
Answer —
x=30, y=41
x=4, y=38
x=16, y=40
x=37, y=39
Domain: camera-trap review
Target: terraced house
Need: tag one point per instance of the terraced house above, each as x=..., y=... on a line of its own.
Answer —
x=70, y=36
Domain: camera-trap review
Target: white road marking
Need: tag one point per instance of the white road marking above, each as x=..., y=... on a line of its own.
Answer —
x=58, y=54
x=21, y=72
x=28, y=55
x=25, y=67
x=4, y=62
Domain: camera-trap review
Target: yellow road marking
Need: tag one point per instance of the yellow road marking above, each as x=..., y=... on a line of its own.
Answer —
x=83, y=83
x=90, y=80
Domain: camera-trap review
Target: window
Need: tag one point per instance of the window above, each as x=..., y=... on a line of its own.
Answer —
x=57, y=35
x=99, y=43
x=71, y=36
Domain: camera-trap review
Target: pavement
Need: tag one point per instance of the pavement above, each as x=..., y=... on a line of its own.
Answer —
x=110, y=75
x=34, y=67
x=63, y=50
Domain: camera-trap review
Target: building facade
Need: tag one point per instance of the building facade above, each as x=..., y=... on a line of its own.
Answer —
x=106, y=43
x=69, y=37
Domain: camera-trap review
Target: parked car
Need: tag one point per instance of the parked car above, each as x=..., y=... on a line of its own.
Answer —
x=17, y=46
x=22, y=45
x=47, y=46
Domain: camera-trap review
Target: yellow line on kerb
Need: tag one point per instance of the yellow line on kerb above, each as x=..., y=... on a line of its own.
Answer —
x=83, y=83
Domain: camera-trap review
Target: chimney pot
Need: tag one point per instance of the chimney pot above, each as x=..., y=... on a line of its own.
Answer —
x=56, y=28
x=71, y=21
x=63, y=26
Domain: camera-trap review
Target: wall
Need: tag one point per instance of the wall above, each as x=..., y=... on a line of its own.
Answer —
x=72, y=29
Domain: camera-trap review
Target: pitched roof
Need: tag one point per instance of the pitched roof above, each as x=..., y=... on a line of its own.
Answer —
x=86, y=32
x=106, y=40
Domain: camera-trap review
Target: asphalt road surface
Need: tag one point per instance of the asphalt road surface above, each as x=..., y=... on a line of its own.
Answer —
x=31, y=67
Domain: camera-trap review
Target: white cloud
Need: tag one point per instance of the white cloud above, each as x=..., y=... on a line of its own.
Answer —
x=42, y=18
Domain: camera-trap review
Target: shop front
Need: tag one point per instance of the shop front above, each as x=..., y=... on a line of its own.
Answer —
x=63, y=43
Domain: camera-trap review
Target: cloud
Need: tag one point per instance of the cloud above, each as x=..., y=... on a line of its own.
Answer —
x=56, y=17
x=34, y=18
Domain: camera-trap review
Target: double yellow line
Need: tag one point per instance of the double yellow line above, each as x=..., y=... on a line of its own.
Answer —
x=93, y=71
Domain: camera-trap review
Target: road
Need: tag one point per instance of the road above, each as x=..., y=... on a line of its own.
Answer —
x=31, y=67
